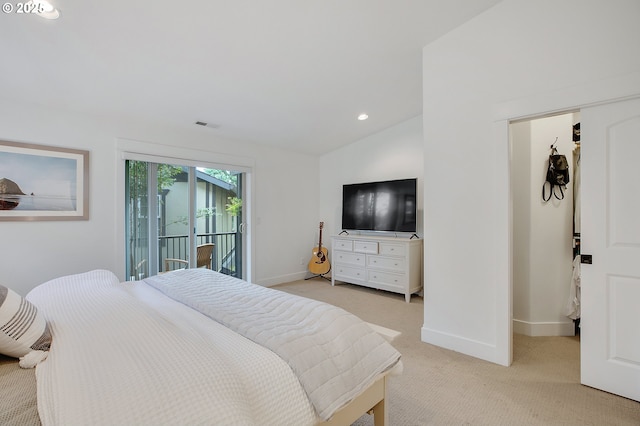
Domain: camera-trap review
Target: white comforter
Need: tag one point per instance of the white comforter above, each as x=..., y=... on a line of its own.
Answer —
x=125, y=353
x=335, y=355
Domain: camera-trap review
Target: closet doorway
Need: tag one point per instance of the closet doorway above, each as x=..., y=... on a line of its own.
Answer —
x=545, y=233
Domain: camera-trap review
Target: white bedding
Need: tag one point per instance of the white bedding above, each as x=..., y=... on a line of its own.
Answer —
x=334, y=354
x=125, y=353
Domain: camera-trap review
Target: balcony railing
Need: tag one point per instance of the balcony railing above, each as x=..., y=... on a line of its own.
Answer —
x=224, y=252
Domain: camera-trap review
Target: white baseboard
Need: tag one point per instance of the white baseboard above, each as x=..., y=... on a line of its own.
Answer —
x=486, y=351
x=538, y=329
x=270, y=282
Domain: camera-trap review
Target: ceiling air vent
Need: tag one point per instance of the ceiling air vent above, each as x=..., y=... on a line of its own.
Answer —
x=205, y=124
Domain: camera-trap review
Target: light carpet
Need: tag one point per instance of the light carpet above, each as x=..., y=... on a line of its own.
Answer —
x=442, y=387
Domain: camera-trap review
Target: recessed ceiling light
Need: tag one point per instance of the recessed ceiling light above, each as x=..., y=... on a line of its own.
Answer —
x=43, y=9
x=362, y=117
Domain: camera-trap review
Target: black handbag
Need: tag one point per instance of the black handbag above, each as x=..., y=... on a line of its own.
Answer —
x=557, y=176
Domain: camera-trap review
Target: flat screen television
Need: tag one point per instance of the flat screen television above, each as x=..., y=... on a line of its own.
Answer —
x=380, y=206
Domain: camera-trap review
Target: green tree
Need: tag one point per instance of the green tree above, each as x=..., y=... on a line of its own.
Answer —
x=234, y=206
x=138, y=171
x=223, y=175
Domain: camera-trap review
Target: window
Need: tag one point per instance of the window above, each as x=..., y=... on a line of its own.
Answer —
x=172, y=209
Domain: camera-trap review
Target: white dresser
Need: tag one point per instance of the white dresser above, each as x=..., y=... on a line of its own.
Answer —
x=385, y=263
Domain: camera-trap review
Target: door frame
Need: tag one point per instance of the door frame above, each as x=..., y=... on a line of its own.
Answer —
x=128, y=149
x=536, y=106
x=548, y=327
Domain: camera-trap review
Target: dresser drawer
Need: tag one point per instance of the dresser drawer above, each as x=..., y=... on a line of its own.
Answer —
x=345, y=245
x=348, y=258
x=349, y=273
x=380, y=262
x=388, y=279
x=389, y=249
x=365, y=247
x=390, y=263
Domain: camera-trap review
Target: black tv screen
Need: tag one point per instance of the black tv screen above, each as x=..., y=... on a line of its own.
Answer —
x=380, y=206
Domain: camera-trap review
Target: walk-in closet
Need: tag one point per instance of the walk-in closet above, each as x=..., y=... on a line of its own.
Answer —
x=546, y=226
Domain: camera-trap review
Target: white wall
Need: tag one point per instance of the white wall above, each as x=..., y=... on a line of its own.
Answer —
x=394, y=153
x=33, y=252
x=542, y=241
x=518, y=58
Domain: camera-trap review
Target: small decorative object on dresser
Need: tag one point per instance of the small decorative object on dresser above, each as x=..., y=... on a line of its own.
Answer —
x=385, y=263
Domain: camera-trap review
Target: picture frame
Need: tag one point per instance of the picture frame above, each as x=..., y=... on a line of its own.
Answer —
x=40, y=182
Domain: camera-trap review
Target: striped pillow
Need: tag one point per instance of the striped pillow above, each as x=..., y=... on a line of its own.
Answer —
x=22, y=327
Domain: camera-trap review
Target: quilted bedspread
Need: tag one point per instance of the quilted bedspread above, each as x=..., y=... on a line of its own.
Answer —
x=125, y=354
x=334, y=354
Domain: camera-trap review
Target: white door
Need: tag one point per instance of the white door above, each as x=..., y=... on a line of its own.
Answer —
x=610, y=286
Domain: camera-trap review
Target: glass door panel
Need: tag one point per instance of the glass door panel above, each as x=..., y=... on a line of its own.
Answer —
x=173, y=217
x=172, y=210
x=218, y=217
x=137, y=218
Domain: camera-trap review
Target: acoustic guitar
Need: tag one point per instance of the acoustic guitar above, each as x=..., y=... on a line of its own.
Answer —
x=319, y=263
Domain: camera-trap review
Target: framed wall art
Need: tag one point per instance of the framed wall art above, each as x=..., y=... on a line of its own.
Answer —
x=39, y=182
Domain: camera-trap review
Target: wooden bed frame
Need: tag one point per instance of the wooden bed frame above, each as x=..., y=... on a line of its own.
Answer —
x=372, y=401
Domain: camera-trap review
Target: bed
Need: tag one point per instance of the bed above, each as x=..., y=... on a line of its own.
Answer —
x=198, y=347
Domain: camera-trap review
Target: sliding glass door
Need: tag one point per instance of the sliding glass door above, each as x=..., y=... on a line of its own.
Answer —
x=182, y=217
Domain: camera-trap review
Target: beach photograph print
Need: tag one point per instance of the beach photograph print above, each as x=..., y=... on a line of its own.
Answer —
x=42, y=183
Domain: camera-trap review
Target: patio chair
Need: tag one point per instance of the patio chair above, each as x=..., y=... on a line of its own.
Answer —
x=203, y=259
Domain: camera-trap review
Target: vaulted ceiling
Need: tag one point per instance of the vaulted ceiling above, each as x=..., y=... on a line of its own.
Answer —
x=290, y=73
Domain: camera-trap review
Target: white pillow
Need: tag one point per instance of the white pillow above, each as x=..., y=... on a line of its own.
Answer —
x=23, y=328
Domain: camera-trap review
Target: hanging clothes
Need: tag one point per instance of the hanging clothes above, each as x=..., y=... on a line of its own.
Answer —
x=573, y=305
x=576, y=189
